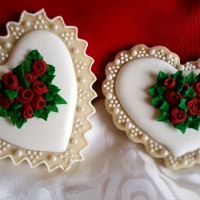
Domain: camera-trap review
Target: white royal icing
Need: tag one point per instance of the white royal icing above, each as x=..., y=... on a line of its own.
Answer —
x=38, y=134
x=132, y=84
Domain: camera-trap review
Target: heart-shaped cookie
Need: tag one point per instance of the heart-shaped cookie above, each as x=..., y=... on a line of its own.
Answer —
x=126, y=88
x=56, y=142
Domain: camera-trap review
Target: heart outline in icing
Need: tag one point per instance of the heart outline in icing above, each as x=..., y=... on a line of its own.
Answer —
x=82, y=68
x=124, y=122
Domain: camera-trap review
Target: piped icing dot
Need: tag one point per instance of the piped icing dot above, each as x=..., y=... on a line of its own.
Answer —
x=145, y=138
x=169, y=56
x=164, y=152
x=27, y=23
x=109, y=77
x=76, y=50
x=74, y=141
x=134, y=53
x=152, y=52
x=82, y=79
x=53, y=158
x=81, y=109
x=117, y=61
x=109, y=96
x=19, y=153
x=7, y=45
x=54, y=26
x=128, y=125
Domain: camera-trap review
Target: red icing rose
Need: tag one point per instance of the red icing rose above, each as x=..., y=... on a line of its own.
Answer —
x=10, y=81
x=25, y=95
x=196, y=87
x=193, y=106
x=172, y=97
x=177, y=116
x=5, y=102
x=170, y=83
x=38, y=102
x=27, y=111
x=30, y=77
x=39, y=87
x=39, y=67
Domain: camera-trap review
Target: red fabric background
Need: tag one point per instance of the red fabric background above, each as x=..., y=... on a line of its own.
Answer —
x=111, y=26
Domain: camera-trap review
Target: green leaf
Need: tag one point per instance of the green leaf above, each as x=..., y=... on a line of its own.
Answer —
x=1, y=86
x=42, y=78
x=161, y=77
x=153, y=90
x=49, y=79
x=15, y=105
x=190, y=79
x=181, y=126
x=49, y=96
x=58, y=99
x=157, y=101
x=11, y=94
x=164, y=117
x=37, y=113
x=27, y=66
x=19, y=71
x=34, y=55
x=50, y=70
x=3, y=112
x=179, y=86
x=20, y=122
x=183, y=104
x=179, y=77
x=189, y=93
x=161, y=90
x=14, y=114
x=44, y=114
x=24, y=82
x=52, y=107
x=54, y=89
x=165, y=105
x=195, y=125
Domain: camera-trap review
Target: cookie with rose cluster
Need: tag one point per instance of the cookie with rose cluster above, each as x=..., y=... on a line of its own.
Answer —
x=156, y=100
x=45, y=92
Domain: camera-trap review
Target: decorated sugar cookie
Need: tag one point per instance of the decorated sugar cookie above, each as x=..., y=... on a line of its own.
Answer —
x=45, y=92
x=156, y=101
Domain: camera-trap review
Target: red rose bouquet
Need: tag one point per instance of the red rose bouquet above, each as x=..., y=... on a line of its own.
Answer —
x=28, y=91
x=178, y=99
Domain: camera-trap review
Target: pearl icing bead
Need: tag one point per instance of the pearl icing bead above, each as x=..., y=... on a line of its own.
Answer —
x=19, y=153
x=152, y=52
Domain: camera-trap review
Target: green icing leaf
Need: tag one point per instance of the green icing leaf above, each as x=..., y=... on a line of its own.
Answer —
x=165, y=106
x=58, y=99
x=190, y=79
x=49, y=79
x=42, y=78
x=181, y=126
x=49, y=96
x=161, y=90
x=16, y=105
x=189, y=93
x=24, y=82
x=50, y=70
x=179, y=86
x=157, y=101
x=3, y=112
x=164, y=117
x=179, y=77
x=195, y=125
x=14, y=114
x=20, y=122
x=1, y=86
x=37, y=113
x=11, y=94
x=153, y=90
x=19, y=71
x=54, y=89
x=52, y=107
x=27, y=66
x=34, y=55
x=183, y=104
x=161, y=77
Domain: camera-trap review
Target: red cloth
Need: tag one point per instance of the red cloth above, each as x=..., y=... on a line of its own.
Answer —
x=113, y=26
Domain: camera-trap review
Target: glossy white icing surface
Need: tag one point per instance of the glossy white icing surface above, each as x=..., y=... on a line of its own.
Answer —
x=132, y=84
x=38, y=134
